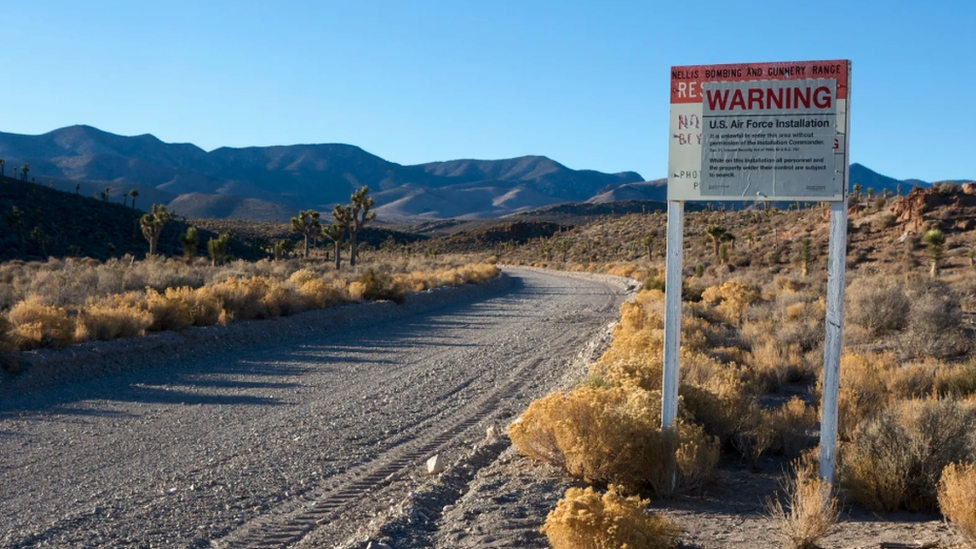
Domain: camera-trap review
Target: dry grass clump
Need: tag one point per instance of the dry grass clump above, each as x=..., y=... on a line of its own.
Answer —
x=957, y=498
x=613, y=434
x=810, y=509
x=238, y=291
x=36, y=325
x=110, y=321
x=897, y=457
x=585, y=519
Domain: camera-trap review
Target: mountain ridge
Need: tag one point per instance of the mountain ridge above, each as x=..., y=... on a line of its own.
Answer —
x=251, y=182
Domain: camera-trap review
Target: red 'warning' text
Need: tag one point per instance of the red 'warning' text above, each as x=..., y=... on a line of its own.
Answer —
x=769, y=98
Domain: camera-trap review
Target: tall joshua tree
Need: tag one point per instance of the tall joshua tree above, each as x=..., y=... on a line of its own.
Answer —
x=715, y=232
x=2, y=174
x=648, y=243
x=152, y=225
x=805, y=245
x=335, y=232
x=23, y=171
x=306, y=224
x=133, y=193
x=935, y=241
x=218, y=249
x=361, y=204
x=189, y=241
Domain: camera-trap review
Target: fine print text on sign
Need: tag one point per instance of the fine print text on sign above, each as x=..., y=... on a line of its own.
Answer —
x=772, y=131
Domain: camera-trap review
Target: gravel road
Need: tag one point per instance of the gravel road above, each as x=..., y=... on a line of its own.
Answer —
x=260, y=447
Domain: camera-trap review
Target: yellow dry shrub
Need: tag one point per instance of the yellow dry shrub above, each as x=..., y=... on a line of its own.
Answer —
x=250, y=298
x=957, y=498
x=810, y=510
x=795, y=311
x=613, y=434
x=626, y=271
x=791, y=424
x=479, y=273
x=773, y=363
x=355, y=291
x=724, y=409
x=736, y=298
x=862, y=389
x=36, y=325
x=585, y=519
x=205, y=307
x=105, y=321
x=302, y=276
x=169, y=311
x=319, y=294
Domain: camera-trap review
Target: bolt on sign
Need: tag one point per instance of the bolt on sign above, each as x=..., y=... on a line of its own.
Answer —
x=763, y=131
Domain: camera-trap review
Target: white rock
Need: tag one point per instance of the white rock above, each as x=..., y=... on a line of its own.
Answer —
x=491, y=433
x=435, y=465
x=377, y=545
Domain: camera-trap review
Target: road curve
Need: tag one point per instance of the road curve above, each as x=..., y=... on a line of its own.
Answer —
x=211, y=453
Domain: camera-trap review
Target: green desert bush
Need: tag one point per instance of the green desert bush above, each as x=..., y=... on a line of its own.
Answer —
x=585, y=519
x=878, y=305
x=896, y=458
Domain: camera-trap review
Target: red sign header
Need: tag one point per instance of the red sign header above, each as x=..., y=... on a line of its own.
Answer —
x=686, y=82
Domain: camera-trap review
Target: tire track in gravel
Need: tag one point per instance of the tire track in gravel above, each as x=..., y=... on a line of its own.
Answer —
x=255, y=448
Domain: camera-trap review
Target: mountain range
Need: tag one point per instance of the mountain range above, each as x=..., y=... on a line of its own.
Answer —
x=262, y=183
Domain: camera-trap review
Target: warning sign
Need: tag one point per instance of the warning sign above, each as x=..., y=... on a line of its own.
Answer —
x=759, y=132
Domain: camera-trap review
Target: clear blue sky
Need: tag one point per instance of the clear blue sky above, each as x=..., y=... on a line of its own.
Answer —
x=585, y=83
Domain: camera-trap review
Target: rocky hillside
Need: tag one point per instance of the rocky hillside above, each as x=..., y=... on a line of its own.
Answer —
x=37, y=222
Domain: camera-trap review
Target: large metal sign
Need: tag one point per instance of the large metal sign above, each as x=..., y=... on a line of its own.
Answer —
x=761, y=131
x=757, y=132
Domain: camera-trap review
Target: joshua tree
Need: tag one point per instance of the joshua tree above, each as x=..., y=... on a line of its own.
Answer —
x=77, y=188
x=152, y=225
x=699, y=270
x=971, y=255
x=133, y=193
x=218, y=249
x=279, y=249
x=723, y=253
x=189, y=240
x=307, y=224
x=105, y=195
x=16, y=222
x=730, y=238
x=2, y=174
x=39, y=237
x=870, y=193
x=805, y=244
x=648, y=243
x=335, y=232
x=935, y=241
x=125, y=198
x=23, y=172
x=361, y=204
x=898, y=189
x=857, y=192
x=715, y=232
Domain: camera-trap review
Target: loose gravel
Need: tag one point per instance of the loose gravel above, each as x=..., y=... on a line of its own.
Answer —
x=289, y=436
